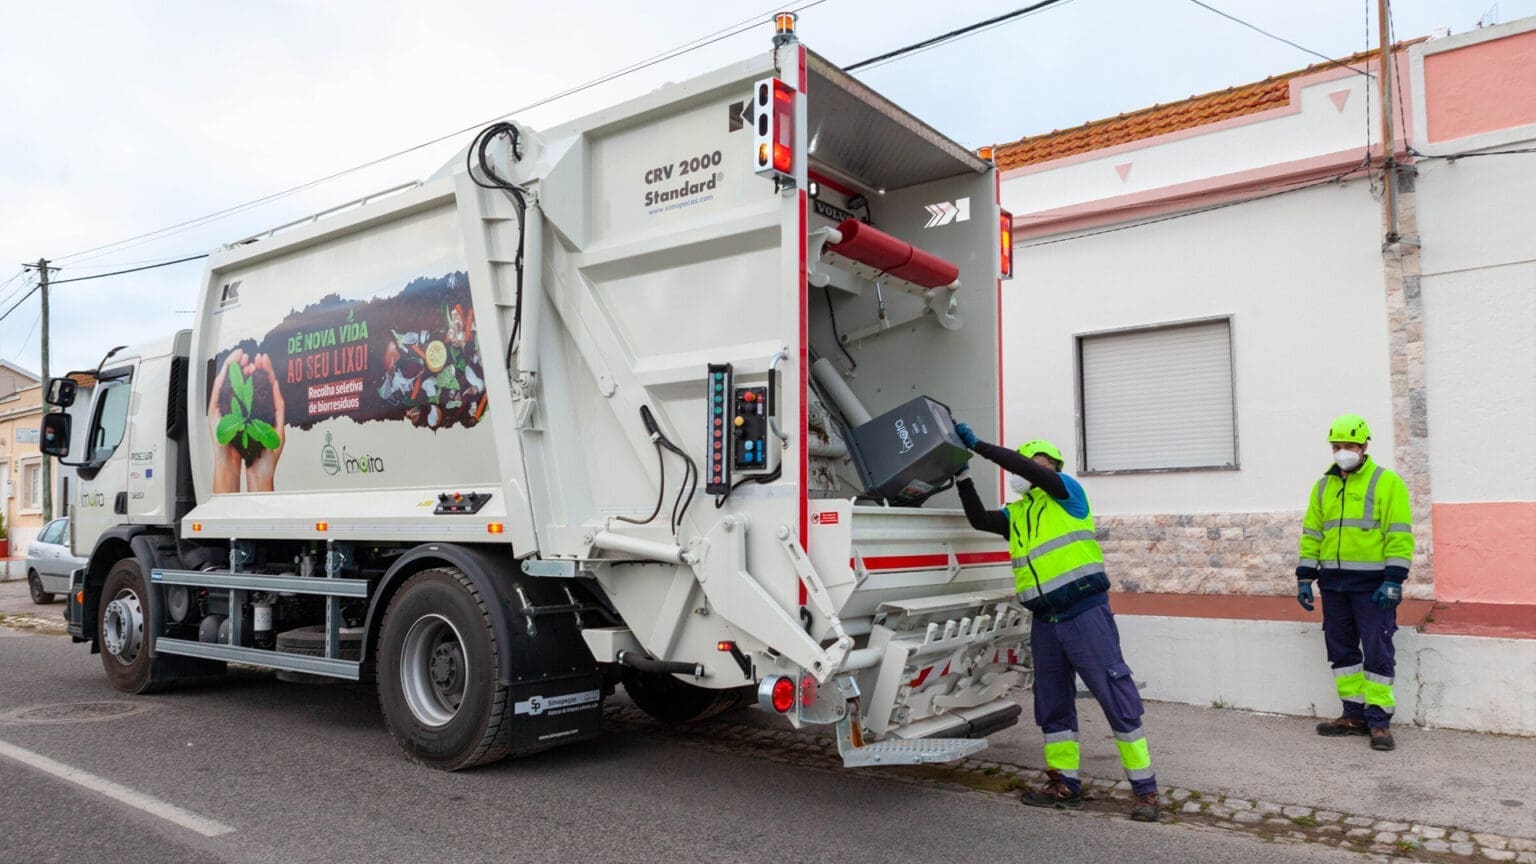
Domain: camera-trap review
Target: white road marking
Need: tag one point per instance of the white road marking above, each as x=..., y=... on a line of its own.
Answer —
x=138, y=800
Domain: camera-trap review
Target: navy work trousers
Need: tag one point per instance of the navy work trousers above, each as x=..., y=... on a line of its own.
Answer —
x=1359, y=639
x=1087, y=645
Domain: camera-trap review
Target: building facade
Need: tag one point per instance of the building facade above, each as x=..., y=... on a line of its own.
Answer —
x=1221, y=278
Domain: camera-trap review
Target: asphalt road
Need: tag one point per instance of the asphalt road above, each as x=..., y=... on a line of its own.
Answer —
x=297, y=773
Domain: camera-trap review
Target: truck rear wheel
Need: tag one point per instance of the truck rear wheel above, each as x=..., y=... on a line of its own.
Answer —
x=439, y=673
x=669, y=700
x=121, y=627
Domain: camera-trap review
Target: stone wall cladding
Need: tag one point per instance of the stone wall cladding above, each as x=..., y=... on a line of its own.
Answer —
x=1202, y=553
x=1210, y=553
x=1410, y=420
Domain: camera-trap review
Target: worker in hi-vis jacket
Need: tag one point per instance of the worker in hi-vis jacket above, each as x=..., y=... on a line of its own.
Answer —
x=1058, y=570
x=1357, y=542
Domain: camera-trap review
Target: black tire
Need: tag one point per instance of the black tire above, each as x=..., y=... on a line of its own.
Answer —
x=441, y=693
x=129, y=674
x=35, y=585
x=669, y=700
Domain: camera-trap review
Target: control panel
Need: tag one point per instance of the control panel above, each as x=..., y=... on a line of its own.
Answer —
x=460, y=503
x=749, y=428
x=741, y=438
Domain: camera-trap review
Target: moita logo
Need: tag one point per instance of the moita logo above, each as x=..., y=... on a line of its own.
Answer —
x=229, y=295
x=361, y=464
x=329, y=460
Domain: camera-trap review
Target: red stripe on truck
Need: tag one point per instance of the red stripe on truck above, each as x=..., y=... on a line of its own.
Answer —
x=931, y=562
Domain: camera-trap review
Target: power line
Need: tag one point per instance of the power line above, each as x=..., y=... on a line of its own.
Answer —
x=1257, y=29
x=687, y=47
x=23, y=349
x=953, y=34
x=129, y=270
x=19, y=302
x=18, y=289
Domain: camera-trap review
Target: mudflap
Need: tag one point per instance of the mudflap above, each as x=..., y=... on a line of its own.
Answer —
x=550, y=712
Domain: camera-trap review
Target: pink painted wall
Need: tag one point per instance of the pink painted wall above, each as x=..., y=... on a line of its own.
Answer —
x=1486, y=553
x=1481, y=88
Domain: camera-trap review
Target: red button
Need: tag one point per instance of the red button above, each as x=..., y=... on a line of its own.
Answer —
x=750, y=397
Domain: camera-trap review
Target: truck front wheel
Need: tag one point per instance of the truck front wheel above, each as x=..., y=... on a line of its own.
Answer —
x=439, y=673
x=121, y=626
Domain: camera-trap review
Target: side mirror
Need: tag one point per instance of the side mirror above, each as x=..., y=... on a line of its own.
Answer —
x=61, y=392
x=56, y=427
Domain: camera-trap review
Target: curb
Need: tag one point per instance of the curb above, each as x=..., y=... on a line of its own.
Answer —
x=1267, y=820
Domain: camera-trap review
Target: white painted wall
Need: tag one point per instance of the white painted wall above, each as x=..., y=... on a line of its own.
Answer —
x=1478, y=228
x=1300, y=274
x=1451, y=682
x=1319, y=129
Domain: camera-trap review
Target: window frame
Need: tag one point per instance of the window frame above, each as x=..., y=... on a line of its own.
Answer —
x=1080, y=423
x=33, y=462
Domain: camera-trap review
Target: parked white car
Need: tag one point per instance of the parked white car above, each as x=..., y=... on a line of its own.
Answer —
x=50, y=561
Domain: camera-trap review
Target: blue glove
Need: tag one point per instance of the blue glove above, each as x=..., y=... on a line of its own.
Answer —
x=1388, y=596
x=967, y=437
x=1304, y=595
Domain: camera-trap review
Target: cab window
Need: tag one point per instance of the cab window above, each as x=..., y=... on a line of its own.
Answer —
x=111, y=421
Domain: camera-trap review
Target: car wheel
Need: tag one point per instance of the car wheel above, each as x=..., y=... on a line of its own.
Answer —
x=35, y=585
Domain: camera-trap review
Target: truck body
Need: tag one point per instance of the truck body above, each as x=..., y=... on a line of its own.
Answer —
x=634, y=400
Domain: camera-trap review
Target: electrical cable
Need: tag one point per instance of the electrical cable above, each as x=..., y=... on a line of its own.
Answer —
x=477, y=149
x=27, y=341
x=836, y=336
x=53, y=282
x=661, y=489
x=1257, y=29
x=952, y=35
x=687, y=47
x=23, y=299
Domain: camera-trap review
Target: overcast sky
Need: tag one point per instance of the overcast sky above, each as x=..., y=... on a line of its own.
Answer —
x=120, y=118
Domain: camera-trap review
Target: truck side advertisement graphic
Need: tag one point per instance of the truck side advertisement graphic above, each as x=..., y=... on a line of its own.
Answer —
x=411, y=357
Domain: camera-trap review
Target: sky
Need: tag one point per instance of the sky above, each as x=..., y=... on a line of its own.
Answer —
x=118, y=119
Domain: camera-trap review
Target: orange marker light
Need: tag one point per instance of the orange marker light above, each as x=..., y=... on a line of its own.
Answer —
x=79, y=598
x=322, y=526
x=725, y=646
x=196, y=527
x=494, y=528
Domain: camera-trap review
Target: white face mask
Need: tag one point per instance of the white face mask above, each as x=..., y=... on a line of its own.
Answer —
x=1018, y=484
x=1347, y=460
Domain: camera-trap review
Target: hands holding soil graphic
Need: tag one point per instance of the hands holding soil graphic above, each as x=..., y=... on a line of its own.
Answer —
x=245, y=418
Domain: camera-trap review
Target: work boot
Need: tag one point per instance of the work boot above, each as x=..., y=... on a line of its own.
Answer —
x=1055, y=793
x=1146, y=807
x=1342, y=726
x=1381, y=739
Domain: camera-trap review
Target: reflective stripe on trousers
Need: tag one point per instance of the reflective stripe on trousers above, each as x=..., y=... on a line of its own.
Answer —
x=1062, y=753
x=1350, y=683
x=1135, y=758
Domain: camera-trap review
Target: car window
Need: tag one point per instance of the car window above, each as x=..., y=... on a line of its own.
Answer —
x=54, y=533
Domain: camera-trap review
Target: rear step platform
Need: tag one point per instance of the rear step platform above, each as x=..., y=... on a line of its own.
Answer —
x=899, y=751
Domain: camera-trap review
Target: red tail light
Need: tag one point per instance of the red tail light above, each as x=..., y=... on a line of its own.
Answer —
x=783, y=694
x=1005, y=241
x=774, y=128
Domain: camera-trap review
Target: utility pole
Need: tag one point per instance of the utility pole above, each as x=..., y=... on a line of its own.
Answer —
x=1388, y=151
x=42, y=287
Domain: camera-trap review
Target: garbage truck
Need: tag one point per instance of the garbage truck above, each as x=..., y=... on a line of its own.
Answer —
x=662, y=399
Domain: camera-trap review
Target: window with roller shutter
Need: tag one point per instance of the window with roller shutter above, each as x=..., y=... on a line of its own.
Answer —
x=1157, y=398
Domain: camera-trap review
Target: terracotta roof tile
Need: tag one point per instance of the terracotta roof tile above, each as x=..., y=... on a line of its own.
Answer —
x=1214, y=107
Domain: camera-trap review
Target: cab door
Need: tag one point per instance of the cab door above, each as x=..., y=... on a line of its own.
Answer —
x=101, y=501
